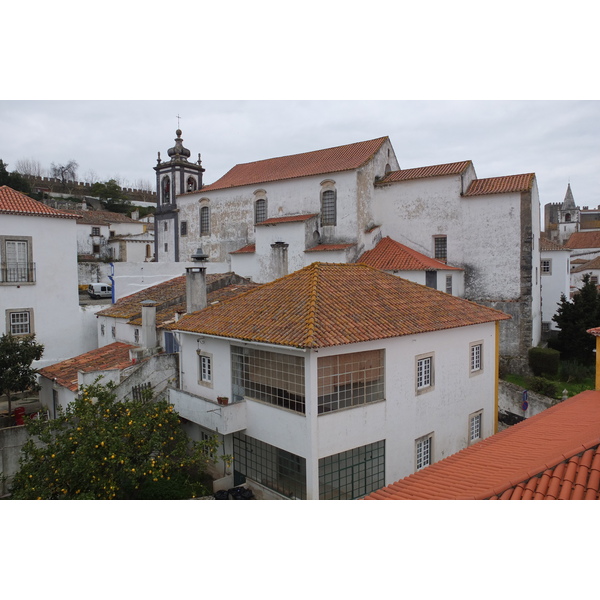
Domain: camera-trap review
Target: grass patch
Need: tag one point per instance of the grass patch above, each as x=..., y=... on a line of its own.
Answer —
x=572, y=386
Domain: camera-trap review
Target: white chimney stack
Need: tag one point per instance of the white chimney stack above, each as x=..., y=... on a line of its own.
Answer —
x=195, y=282
x=148, y=324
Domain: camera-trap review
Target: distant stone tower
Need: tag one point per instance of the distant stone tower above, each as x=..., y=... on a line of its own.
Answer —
x=173, y=177
x=568, y=217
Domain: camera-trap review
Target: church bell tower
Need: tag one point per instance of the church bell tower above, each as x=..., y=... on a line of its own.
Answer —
x=174, y=177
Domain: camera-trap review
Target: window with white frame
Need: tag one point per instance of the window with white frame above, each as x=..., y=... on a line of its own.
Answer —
x=448, y=284
x=204, y=368
x=15, y=260
x=347, y=380
x=95, y=230
x=424, y=375
x=475, y=422
x=423, y=451
x=546, y=266
x=476, y=357
x=19, y=321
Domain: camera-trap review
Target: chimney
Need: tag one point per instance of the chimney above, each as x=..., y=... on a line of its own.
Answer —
x=195, y=282
x=148, y=324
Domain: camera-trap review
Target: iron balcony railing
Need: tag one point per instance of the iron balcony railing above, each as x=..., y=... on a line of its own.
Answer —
x=19, y=273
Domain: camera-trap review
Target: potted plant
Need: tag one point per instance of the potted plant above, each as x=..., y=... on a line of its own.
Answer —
x=223, y=400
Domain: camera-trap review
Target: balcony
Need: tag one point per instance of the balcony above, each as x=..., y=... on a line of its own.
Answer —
x=207, y=413
x=17, y=273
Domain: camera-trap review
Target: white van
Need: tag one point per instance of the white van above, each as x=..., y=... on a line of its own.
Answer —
x=100, y=290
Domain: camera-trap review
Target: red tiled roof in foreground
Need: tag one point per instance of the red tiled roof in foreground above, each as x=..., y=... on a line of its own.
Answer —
x=583, y=239
x=421, y=172
x=501, y=185
x=390, y=255
x=318, y=162
x=332, y=304
x=552, y=455
x=115, y=356
x=16, y=203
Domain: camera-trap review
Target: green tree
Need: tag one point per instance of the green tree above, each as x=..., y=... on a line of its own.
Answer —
x=13, y=180
x=16, y=373
x=575, y=317
x=100, y=448
x=112, y=196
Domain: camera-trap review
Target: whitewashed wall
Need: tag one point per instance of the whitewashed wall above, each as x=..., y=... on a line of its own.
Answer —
x=556, y=283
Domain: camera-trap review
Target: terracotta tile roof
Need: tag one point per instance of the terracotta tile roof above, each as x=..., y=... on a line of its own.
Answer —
x=588, y=265
x=17, y=203
x=167, y=294
x=583, y=239
x=250, y=248
x=329, y=247
x=167, y=316
x=318, y=162
x=548, y=245
x=553, y=454
x=390, y=255
x=99, y=217
x=332, y=304
x=288, y=219
x=594, y=331
x=421, y=172
x=112, y=357
x=501, y=185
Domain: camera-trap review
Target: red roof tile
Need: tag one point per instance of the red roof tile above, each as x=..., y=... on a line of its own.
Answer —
x=115, y=356
x=390, y=255
x=333, y=304
x=249, y=249
x=288, y=219
x=589, y=265
x=16, y=203
x=501, y=185
x=422, y=172
x=329, y=160
x=583, y=239
x=548, y=245
x=99, y=217
x=554, y=454
x=329, y=247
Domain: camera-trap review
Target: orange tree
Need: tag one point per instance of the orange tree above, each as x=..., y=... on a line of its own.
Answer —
x=100, y=448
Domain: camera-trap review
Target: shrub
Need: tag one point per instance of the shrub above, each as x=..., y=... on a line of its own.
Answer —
x=543, y=386
x=544, y=361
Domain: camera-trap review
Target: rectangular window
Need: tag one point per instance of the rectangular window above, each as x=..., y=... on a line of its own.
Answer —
x=348, y=380
x=183, y=228
x=352, y=474
x=545, y=327
x=166, y=247
x=15, y=256
x=166, y=226
x=260, y=210
x=424, y=372
x=440, y=244
x=136, y=336
x=475, y=427
x=268, y=465
x=546, y=267
x=448, y=284
x=270, y=377
x=204, y=368
x=423, y=451
x=20, y=321
x=204, y=221
x=95, y=230
x=96, y=249
x=328, y=208
x=476, y=356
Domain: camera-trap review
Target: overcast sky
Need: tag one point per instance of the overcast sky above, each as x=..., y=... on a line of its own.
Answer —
x=557, y=140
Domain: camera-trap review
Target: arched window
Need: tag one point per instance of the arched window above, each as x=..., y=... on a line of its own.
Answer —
x=166, y=190
x=191, y=184
x=568, y=217
x=204, y=220
x=328, y=208
x=260, y=210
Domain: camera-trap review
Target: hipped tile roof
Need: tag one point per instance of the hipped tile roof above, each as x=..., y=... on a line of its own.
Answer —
x=17, y=203
x=333, y=304
x=171, y=293
x=501, y=185
x=329, y=160
x=99, y=217
x=583, y=239
x=115, y=356
x=547, y=245
x=588, y=266
x=390, y=255
x=455, y=168
x=552, y=455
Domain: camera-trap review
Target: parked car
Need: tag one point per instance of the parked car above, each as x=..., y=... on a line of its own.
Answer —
x=100, y=290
